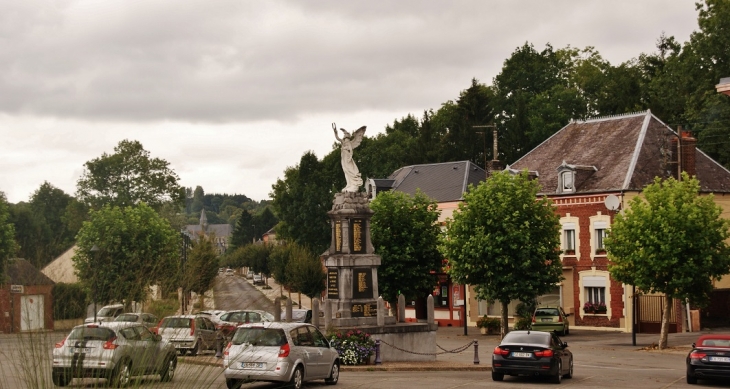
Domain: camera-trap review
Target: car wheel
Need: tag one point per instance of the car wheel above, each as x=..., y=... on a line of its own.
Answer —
x=296, y=378
x=123, y=375
x=497, y=376
x=233, y=383
x=61, y=379
x=168, y=369
x=195, y=349
x=557, y=378
x=691, y=378
x=334, y=375
x=569, y=374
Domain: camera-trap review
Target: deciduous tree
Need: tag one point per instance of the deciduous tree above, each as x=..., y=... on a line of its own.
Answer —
x=504, y=241
x=671, y=240
x=201, y=267
x=7, y=235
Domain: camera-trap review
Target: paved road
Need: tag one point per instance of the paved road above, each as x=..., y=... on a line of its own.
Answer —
x=233, y=292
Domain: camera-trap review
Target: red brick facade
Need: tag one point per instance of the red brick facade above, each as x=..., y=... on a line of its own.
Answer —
x=10, y=307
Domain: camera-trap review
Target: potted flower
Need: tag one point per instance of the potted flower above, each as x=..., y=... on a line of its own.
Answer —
x=600, y=251
x=569, y=252
x=589, y=308
x=601, y=307
x=488, y=325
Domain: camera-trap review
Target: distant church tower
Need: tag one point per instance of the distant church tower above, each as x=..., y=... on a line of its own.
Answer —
x=203, y=221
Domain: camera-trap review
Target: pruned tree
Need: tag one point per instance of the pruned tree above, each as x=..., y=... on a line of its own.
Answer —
x=305, y=272
x=7, y=236
x=504, y=241
x=671, y=240
x=201, y=267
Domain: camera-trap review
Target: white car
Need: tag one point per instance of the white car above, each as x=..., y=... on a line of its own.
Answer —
x=280, y=352
x=189, y=333
x=229, y=272
x=106, y=313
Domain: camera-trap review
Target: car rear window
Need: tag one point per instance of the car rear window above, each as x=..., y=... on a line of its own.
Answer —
x=527, y=338
x=175, y=322
x=126, y=317
x=547, y=312
x=108, y=311
x=91, y=333
x=259, y=336
x=715, y=343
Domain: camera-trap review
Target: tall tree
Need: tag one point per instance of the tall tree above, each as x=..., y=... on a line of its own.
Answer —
x=405, y=232
x=305, y=272
x=201, y=267
x=504, y=241
x=263, y=222
x=7, y=236
x=672, y=241
x=136, y=248
x=128, y=177
x=243, y=233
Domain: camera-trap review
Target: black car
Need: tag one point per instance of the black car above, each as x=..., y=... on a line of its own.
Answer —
x=532, y=353
x=709, y=358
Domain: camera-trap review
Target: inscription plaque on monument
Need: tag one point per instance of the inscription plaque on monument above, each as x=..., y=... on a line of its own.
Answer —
x=357, y=236
x=333, y=284
x=338, y=236
x=364, y=310
x=362, y=283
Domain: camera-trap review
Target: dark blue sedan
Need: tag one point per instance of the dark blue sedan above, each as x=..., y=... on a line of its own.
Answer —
x=532, y=353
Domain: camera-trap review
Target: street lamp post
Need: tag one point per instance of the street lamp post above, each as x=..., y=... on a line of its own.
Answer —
x=95, y=250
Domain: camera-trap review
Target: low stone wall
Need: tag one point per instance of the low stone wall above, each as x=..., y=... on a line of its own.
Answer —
x=65, y=325
x=404, y=342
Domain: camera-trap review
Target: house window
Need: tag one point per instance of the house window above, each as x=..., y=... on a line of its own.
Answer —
x=600, y=234
x=567, y=181
x=595, y=294
x=569, y=240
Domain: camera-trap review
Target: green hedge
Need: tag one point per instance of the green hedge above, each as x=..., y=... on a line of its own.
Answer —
x=69, y=301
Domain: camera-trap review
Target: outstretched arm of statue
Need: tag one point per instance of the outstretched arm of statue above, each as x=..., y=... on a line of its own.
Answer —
x=334, y=128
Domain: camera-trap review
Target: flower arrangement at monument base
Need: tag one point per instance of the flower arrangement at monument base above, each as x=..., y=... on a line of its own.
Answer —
x=354, y=346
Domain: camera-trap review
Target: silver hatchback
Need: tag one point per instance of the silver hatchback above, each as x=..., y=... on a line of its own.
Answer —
x=280, y=352
x=115, y=351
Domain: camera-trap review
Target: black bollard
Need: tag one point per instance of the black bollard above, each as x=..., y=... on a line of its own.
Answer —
x=377, y=352
x=219, y=347
x=476, y=352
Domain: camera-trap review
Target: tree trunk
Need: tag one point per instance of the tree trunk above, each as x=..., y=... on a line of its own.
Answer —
x=505, y=320
x=202, y=302
x=665, y=323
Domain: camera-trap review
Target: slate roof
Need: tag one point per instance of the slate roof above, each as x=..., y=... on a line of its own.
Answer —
x=627, y=151
x=21, y=272
x=442, y=182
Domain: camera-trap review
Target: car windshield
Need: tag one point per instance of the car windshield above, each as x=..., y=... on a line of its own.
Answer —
x=715, y=342
x=175, y=322
x=267, y=316
x=126, y=317
x=259, y=336
x=107, y=311
x=91, y=333
x=547, y=312
x=535, y=337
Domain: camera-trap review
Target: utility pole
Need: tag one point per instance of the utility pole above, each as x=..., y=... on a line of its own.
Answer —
x=494, y=152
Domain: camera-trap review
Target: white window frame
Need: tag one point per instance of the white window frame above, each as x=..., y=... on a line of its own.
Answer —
x=567, y=185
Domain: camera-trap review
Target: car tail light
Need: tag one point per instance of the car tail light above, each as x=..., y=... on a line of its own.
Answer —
x=533, y=319
x=697, y=355
x=500, y=351
x=284, y=350
x=60, y=344
x=155, y=330
x=192, y=327
x=545, y=353
x=560, y=319
x=110, y=345
x=228, y=347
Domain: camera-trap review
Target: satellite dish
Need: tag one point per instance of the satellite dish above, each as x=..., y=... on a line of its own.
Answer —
x=612, y=202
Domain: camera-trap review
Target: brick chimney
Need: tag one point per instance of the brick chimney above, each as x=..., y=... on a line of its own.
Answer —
x=688, y=147
x=495, y=165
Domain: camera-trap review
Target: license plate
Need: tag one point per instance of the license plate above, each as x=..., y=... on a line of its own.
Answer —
x=547, y=319
x=719, y=359
x=522, y=355
x=252, y=365
x=79, y=350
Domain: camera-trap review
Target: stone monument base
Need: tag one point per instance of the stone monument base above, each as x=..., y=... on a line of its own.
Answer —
x=403, y=342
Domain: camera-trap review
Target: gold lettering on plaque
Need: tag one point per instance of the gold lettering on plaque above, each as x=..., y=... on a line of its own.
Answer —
x=338, y=236
x=362, y=284
x=356, y=234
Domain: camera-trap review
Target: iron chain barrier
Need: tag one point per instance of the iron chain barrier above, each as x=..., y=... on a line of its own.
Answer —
x=444, y=351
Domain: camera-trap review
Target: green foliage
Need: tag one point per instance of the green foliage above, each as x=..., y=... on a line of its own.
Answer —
x=305, y=272
x=255, y=256
x=7, y=236
x=405, y=233
x=504, y=240
x=523, y=323
x=201, y=267
x=671, y=240
x=490, y=323
x=164, y=307
x=69, y=301
x=128, y=177
x=136, y=248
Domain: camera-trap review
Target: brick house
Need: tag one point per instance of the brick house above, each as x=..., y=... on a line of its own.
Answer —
x=26, y=299
x=591, y=169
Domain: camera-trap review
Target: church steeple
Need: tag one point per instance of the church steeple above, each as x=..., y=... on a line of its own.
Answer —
x=203, y=220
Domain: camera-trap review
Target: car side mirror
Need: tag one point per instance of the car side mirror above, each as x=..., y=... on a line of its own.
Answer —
x=693, y=345
x=564, y=345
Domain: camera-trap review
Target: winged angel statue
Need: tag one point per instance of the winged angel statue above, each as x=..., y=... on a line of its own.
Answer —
x=349, y=143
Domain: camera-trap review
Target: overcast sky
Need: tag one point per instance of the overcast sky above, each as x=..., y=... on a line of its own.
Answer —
x=230, y=93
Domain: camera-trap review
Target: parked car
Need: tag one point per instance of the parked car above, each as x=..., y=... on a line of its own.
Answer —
x=709, y=358
x=249, y=275
x=115, y=351
x=551, y=319
x=106, y=313
x=258, y=279
x=229, y=272
x=532, y=353
x=213, y=315
x=280, y=352
x=147, y=319
x=232, y=319
x=189, y=333
x=298, y=315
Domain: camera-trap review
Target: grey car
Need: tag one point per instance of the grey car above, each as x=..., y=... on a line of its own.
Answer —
x=280, y=352
x=147, y=319
x=115, y=351
x=189, y=333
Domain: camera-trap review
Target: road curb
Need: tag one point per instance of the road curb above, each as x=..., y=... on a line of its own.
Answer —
x=393, y=366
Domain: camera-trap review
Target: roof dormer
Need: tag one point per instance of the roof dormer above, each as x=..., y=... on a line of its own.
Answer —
x=570, y=177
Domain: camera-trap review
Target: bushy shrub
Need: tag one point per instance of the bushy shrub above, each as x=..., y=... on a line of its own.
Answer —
x=163, y=307
x=69, y=301
x=354, y=346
